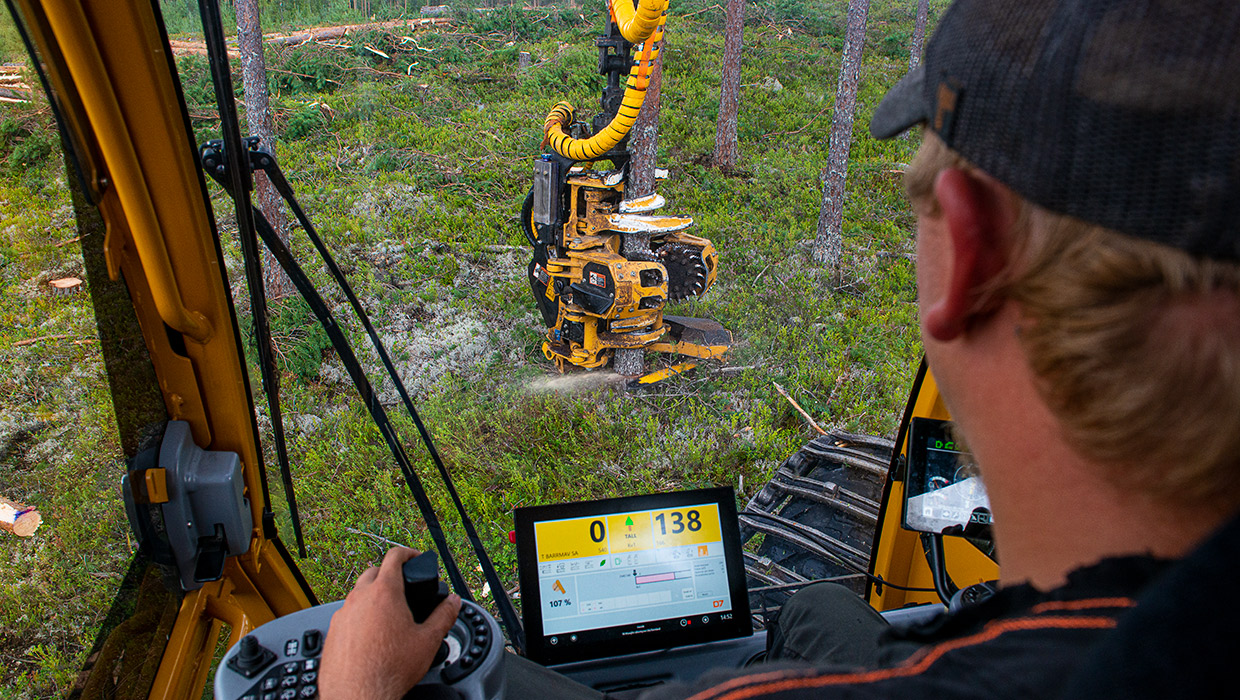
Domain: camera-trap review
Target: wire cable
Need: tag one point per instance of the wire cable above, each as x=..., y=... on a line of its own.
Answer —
x=239, y=185
x=508, y=614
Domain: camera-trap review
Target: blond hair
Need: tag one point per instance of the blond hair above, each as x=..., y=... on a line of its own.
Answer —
x=1136, y=345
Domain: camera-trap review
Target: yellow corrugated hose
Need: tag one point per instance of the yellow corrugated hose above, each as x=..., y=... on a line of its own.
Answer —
x=637, y=23
x=635, y=88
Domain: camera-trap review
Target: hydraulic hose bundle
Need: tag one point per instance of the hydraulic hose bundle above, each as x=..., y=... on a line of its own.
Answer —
x=641, y=24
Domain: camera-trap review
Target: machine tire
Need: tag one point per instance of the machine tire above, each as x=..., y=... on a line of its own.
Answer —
x=827, y=495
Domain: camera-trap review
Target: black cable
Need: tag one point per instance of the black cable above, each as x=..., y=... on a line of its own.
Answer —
x=527, y=214
x=872, y=578
x=932, y=545
x=239, y=183
x=508, y=613
x=364, y=389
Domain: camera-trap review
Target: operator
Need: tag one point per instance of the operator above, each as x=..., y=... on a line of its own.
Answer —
x=1077, y=195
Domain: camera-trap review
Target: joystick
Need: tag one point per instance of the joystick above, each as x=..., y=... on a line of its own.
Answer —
x=280, y=660
x=423, y=589
x=251, y=658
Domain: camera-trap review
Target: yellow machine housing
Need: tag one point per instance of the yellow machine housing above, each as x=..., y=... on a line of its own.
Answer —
x=610, y=297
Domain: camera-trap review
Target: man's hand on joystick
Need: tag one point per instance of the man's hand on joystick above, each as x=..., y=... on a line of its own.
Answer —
x=374, y=649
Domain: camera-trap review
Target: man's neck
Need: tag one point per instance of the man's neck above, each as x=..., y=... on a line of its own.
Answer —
x=1054, y=510
x=1064, y=516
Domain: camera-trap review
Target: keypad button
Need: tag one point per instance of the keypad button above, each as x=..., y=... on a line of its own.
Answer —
x=291, y=647
x=310, y=664
x=251, y=696
x=311, y=642
x=475, y=651
x=291, y=667
x=309, y=691
x=481, y=639
x=288, y=682
x=309, y=677
x=480, y=629
x=269, y=696
x=270, y=683
x=467, y=661
x=288, y=694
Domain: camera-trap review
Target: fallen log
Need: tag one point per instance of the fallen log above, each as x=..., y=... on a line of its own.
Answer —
x=322, y=33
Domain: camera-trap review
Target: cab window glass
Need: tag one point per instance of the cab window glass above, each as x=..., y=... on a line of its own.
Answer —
x=408, y=133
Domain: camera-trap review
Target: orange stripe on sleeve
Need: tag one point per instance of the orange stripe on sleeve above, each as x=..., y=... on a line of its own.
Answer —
x=1084, y=604
x=918, y=664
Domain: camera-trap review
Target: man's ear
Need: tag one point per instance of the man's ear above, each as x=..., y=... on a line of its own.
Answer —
x=977, y=212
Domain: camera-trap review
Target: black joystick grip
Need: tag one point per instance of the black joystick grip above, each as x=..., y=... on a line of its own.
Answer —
x=251, y=658
x=423, y=590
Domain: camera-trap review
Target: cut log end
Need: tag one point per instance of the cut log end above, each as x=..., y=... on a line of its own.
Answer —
x=25, y=525
x=18, y=518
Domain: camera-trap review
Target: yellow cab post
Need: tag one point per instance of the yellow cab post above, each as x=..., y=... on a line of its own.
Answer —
x=108, y=65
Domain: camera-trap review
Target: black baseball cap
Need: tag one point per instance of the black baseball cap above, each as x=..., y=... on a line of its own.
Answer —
x=1122, y=113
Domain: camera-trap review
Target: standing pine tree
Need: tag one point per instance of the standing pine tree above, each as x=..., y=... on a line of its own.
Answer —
x=644, y=144
x=258, y=117
x=829, y=242
x=919, y=34
x=730, y=87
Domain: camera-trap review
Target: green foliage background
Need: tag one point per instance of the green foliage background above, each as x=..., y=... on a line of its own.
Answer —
x=426, y=152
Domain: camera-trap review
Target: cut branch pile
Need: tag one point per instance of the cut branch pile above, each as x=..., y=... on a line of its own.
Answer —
x=316, y=34
x=13, y=85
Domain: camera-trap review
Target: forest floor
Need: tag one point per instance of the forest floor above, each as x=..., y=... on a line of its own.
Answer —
x=412, y=157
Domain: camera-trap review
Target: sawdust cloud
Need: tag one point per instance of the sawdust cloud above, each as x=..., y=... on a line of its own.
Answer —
x=576, y=383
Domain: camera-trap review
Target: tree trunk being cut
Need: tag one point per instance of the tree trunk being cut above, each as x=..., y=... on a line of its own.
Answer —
x=644, y=144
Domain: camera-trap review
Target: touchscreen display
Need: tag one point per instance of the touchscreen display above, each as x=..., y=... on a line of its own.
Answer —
x=944, y=491
x=633, y=574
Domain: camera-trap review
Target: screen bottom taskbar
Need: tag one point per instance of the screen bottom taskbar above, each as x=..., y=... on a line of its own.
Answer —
x=638, y=637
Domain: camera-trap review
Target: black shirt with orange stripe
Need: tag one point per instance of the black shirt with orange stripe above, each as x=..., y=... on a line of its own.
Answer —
x=1020, y=643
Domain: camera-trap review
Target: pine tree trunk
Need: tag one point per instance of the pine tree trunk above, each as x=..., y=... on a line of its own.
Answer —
x=260, y=123
x=644, y=144
x=919, y=34
x=730, y=87
x=829, y=243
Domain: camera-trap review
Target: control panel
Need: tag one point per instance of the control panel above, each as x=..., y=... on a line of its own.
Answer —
x=280, y=660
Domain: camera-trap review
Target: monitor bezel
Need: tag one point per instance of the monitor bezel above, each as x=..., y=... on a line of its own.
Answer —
x=915, y=475
x=537, y=645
